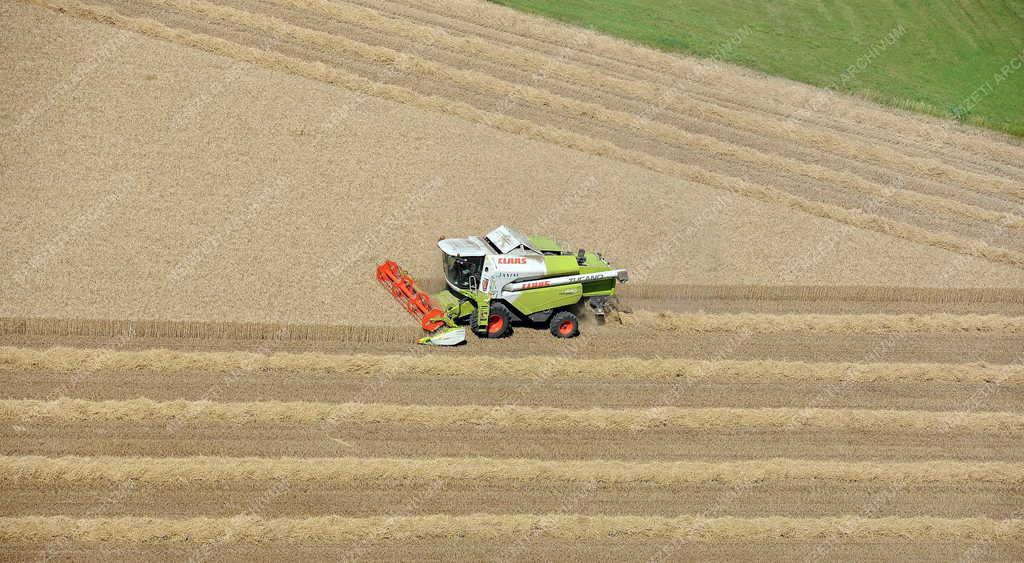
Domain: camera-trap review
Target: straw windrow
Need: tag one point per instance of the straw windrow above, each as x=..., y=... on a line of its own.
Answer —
x=36, y=471
x=170, y=362
x=864, y=420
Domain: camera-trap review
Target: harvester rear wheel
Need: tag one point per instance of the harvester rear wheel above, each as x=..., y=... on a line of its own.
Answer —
x=565, y=325
x=499, y=323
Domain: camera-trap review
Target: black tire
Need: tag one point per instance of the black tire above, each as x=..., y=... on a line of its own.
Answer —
x=565, y=325
x=499, y=324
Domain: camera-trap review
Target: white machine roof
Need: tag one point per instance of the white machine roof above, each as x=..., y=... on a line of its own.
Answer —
x=471, y=246
x=503, y=238
x=507, y=239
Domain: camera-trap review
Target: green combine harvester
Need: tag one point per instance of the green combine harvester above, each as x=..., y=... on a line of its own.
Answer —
x=505, y=278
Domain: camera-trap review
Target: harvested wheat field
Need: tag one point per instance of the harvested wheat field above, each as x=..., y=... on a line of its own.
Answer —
x=822, y=356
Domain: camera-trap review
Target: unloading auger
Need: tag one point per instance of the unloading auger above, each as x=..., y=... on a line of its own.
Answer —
x=505, y=278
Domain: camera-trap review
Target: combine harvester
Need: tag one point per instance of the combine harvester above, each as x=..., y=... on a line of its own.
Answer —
x=503, y=278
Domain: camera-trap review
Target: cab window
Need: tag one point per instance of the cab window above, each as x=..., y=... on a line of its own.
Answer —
x=462, y=271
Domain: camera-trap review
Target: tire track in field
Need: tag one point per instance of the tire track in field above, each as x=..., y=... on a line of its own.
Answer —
x=571, y=140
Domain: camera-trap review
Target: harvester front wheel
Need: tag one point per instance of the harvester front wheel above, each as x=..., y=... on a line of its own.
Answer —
x=565, y=325
x=499, y=322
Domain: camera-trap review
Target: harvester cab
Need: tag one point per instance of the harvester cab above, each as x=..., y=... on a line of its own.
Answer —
x=503, y=278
